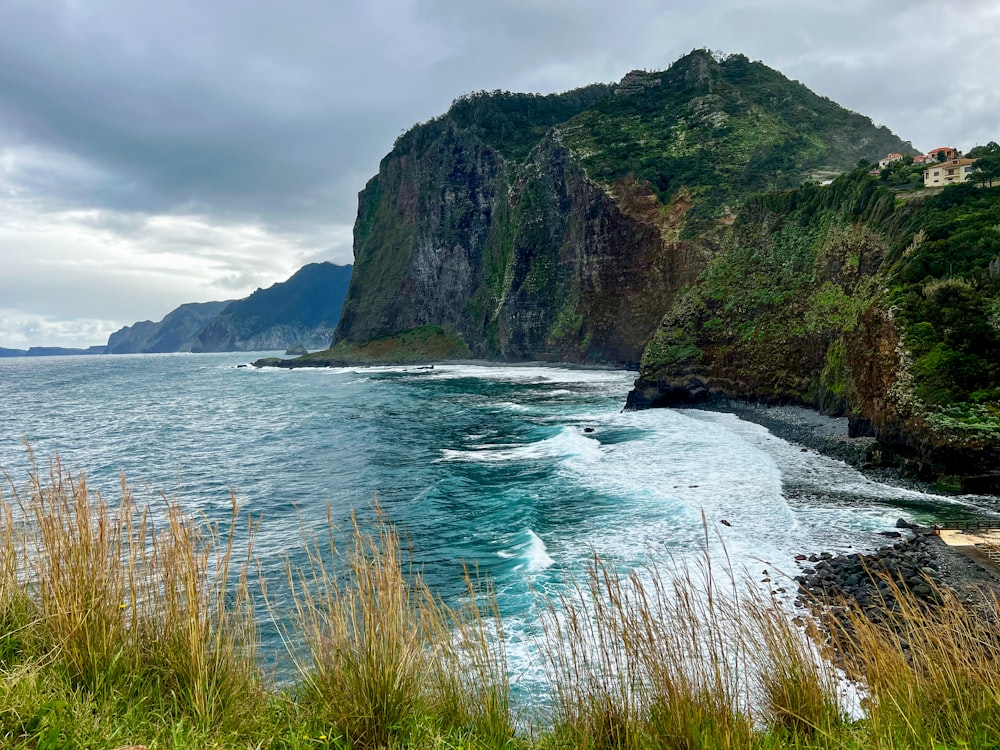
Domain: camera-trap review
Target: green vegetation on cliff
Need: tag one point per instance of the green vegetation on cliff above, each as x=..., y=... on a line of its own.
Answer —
x=414, y=346
x=720, y=129
x=561, y=227
x=511, y=123
x=845, y=298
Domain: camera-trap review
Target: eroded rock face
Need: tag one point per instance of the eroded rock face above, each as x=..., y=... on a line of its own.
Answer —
x=593, y=269
x=535, y=261
x=423, y=225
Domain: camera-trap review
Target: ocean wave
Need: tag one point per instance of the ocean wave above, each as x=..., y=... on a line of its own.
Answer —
x=530, y=550
x=568, y=443
x=528, y=374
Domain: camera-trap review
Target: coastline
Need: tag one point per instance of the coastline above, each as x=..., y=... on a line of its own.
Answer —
x=820, y=432
x=293, y=363
x=916, y=559
x=829, y=436
x=914, y=556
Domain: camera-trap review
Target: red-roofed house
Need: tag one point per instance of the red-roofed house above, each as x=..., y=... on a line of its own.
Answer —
x=948, y=151
x=885, y=161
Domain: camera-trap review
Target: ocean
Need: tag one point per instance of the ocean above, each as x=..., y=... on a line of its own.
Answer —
x=522, y=472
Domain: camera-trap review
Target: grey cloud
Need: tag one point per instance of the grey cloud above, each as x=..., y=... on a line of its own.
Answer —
x=251, y=109
x=242, y=113
x=282, y=111
x=19, y=331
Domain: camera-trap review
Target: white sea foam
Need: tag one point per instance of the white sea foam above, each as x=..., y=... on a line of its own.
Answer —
x=685, y=484
x=532, y=374
x=512, y=406
x=537, y=554
x=568, y=443
x=807, y=468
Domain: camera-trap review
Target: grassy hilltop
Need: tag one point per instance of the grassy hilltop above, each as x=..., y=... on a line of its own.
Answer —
x=561, y=227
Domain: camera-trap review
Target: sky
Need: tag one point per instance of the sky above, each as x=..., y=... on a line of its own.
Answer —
x=159, y=152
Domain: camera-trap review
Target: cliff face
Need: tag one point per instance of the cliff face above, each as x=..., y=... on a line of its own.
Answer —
x=562, y=227
x=588, y=265
x=533, y=261
x=843, y=299
x=423, y=224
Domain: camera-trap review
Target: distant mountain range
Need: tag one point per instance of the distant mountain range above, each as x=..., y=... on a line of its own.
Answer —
x=49, y=351
x=172, y=334
x=302, y=310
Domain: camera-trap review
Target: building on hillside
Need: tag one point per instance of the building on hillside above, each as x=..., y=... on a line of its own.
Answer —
x=948, y=172
x=885, y=161
x=921, y=159
x=947, y=152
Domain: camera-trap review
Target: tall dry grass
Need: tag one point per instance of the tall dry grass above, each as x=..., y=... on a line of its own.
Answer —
x=798, y=690
x=931, y=670
x=382, y=656
x=117, y=619
x=127, y=602
x=687, y=659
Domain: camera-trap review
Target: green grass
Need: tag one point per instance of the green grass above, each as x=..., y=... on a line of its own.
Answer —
x=122, y=624
x=421, y=345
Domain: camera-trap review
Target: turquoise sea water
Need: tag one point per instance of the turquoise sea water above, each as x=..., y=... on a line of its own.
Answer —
x=525, y=472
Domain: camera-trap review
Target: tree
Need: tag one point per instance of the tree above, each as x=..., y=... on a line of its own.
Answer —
x=987, y=166
x=990, y=148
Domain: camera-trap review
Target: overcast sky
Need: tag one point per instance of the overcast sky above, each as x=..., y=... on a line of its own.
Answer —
x=155, y=152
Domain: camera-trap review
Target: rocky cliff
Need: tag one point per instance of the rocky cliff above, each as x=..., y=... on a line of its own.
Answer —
x=848, y=299
x=172, y=334
x=562, y=227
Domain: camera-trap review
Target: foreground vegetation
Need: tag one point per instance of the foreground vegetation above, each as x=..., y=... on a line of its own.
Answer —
x=122, y=624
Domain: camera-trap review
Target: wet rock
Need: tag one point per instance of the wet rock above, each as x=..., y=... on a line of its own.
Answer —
x=921, y=565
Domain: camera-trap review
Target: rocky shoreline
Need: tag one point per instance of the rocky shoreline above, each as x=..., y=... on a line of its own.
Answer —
x=918, y=562
x=914, y=557
x=821, y=433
